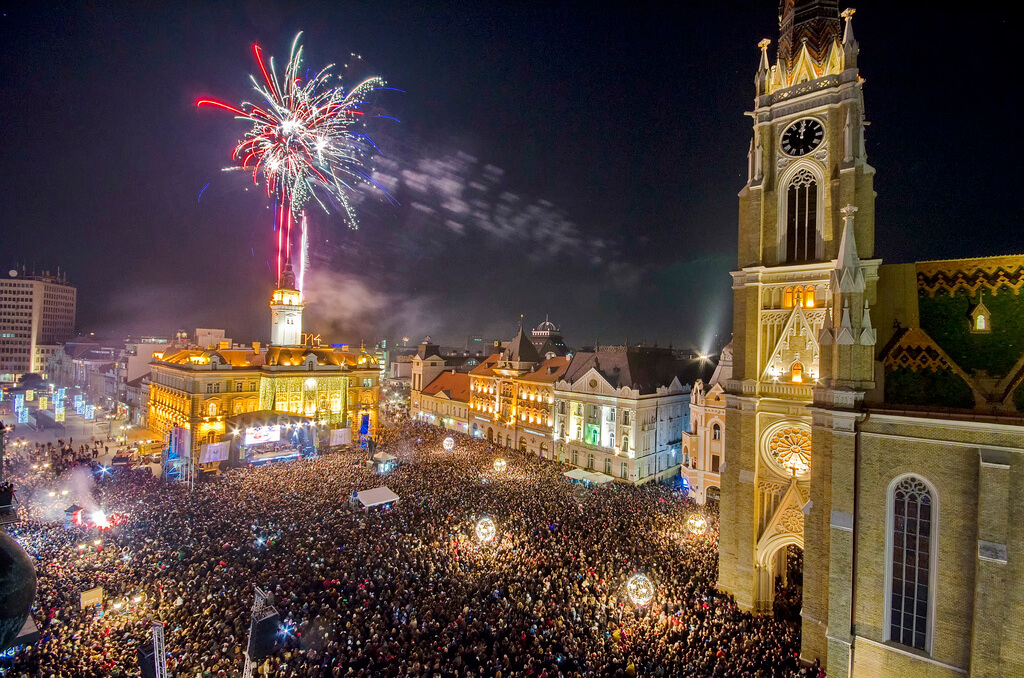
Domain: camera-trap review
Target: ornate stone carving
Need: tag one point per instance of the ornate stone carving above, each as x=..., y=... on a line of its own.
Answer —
x=790, y=447
x=791, y=520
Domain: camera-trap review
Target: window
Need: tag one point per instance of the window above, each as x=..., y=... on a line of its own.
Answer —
x=979, y=323
x=623, y=470
x=625, y=417
x=238, y=387
x=625, y=444
x=809, y=300
x=590, y=462
x=801, y=218
x=716, y=432
x=211, y=409
x=575, y=458
x=715, y=463
x=797, y=373
x=787, y=298
x=911, y=516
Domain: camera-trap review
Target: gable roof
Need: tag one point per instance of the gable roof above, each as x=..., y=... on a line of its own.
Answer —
x=549, y=371
x=454, y=385
x=637, y=367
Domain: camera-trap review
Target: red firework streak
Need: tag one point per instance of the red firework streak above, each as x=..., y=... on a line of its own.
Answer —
x=306, y=134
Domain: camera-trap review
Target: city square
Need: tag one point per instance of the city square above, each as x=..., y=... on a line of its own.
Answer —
x=277, y=398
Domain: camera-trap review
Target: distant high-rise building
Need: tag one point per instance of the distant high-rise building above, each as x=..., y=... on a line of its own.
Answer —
x=37, y=312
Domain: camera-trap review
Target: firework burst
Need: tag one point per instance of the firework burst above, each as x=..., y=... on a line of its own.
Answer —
x=306, y=140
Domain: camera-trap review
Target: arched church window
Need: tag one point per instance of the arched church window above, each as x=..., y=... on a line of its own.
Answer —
x=787, y=298
x=809, y=300
x=979, y=323
x=801, y=218
x=797, y=373
x=716, y=432
x=911, y=518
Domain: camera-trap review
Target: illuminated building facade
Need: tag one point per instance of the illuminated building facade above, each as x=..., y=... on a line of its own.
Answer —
x=704, y=445
x=874, y=414
x=37, y=312
x=512, y=397
x=623, y=411
x=444, y=402
x=202, y=390
x=286, y=311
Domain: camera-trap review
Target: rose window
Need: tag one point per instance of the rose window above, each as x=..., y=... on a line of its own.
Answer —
x=790, y=447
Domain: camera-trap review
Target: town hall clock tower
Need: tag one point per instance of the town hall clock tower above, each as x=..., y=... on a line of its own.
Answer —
x=803, y=290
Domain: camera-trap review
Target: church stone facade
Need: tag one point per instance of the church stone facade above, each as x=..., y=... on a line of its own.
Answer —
x=874, y=414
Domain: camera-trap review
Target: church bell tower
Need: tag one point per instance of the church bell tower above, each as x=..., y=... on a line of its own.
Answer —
x=286, y=311
x=803, y=288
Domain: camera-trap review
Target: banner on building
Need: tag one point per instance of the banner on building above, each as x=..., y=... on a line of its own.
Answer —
x=58, y=413
x=211, y=452
x=180, y=443
x=341, y=436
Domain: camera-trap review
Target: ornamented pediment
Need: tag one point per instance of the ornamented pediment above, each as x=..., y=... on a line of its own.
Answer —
x=798, y=343
x=786, y=522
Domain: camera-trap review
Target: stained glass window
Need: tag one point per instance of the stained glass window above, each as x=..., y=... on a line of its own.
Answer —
x=911, y=563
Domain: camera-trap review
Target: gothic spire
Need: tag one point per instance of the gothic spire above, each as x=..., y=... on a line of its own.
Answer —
x=811, y=22
x=850, y=46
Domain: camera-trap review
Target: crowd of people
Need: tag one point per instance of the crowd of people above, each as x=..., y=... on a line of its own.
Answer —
x=402, y=590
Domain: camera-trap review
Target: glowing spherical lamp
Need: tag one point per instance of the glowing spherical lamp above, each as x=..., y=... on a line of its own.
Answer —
x=640, y=589
x=449, y=444
x=485, y=530
x=499, y=465
x=697, y=524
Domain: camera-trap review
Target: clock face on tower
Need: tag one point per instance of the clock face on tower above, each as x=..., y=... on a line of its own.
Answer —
x=802, y=137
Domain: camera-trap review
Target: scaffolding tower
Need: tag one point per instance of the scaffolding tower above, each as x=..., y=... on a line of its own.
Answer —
x=159, y=650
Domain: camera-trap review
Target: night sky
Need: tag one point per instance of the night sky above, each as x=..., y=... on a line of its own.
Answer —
x=611, y=143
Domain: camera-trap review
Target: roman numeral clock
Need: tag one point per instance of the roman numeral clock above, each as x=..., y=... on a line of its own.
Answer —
x=802, y=137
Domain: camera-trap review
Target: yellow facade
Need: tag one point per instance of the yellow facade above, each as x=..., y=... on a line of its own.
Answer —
x=202, y=390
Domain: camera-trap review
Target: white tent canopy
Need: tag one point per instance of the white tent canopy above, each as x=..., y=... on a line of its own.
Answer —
x=599, y=478
x=384, y=456
x=577, y=474
x=376, y=497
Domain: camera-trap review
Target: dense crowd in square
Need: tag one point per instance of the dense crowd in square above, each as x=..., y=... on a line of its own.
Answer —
x=401, y=590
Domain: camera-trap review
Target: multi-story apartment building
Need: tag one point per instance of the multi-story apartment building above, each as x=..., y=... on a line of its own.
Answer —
x=512, y=397
x=37, y=312
x=624, y=410
x=444, y=402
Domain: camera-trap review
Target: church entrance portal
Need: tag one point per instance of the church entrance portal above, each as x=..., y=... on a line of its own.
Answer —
x=789, y=584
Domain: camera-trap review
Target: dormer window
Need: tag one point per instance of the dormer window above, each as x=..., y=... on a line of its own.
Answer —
x=981, y=319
